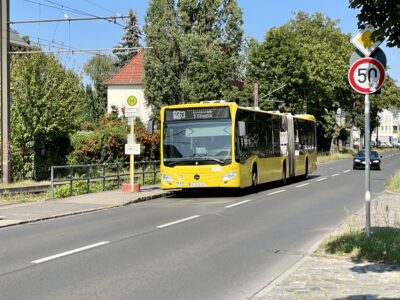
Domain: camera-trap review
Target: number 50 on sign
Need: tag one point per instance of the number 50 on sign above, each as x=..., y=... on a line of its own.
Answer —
x=366, y=75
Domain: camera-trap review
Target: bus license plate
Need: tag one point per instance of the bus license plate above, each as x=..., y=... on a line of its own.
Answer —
x=197, y=184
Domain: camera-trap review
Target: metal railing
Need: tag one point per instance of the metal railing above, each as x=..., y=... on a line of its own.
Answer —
x=113, y=174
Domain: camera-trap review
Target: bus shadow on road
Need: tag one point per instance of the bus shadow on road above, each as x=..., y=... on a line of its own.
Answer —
x=236, y=192
x=278, y=184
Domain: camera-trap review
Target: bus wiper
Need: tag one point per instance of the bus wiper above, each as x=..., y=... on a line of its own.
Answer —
x=221, y=162
x=177, y=162
x=192, y=160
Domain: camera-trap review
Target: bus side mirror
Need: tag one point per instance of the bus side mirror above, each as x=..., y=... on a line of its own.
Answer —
x=242, y=128
x=150, y=127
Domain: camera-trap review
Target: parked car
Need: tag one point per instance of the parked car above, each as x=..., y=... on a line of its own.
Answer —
x=359, y=160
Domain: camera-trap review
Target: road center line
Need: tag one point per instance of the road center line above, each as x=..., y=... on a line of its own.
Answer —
x=273, y=193
x=323, y=178
x=38, y=261
x=346, y=171
x=337, y=174
x=304, y=184
x=178, y=221
x=238, y=203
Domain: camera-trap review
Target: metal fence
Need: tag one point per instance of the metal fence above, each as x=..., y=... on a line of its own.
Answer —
x=101, y=177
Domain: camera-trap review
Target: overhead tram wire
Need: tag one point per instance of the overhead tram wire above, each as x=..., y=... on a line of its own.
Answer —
x=110, y=18
x=102, y=7
x=71, y=10
x=50, y=42
x=47, y=5
x=94, y=51
x=64, y=48
x=77, y=11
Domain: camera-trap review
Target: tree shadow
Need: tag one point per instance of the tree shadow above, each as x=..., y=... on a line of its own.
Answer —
x=375, y=268
x=365, y=296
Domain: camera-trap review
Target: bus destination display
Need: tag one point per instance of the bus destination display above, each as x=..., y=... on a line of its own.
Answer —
x=197, y=113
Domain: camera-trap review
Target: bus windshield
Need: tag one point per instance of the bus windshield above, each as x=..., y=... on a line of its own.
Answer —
x=197, y=142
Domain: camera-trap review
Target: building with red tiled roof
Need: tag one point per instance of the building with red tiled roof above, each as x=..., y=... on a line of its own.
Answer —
x=127, y=83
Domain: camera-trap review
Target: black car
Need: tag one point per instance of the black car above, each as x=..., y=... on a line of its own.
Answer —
x=359, y=160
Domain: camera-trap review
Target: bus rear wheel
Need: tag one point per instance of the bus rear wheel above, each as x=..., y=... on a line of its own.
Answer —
x=284, y=179
x=254, y=178
x=306, y=171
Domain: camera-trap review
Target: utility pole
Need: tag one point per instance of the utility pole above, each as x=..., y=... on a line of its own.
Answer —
x=256, y=94
x=5, y=90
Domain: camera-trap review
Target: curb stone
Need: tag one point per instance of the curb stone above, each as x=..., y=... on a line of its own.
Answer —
x=140, y=199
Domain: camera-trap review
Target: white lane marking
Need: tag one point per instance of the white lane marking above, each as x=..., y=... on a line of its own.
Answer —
x=38, y=261
x=323, y=178
x=337, y=174
x=304, y=184
x=347, y=171
x=178, y=221
x=238, y=203
x=273, y=193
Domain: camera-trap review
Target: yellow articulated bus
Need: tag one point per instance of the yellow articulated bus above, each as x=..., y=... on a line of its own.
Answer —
x=217, y=144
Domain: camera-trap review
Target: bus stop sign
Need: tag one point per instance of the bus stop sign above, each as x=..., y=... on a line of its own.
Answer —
x=366, y=75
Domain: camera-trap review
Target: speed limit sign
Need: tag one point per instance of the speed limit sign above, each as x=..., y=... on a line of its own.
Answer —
x=366, y=75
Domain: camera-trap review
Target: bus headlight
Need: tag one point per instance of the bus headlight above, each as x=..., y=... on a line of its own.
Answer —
x=229, y=176
x=166, y=178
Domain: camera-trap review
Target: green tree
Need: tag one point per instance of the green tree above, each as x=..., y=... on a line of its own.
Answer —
x=47, y=101
x=98, y=68
x=302, y=67
x=162, y=63
x=130, y=39
x=383, y=15
x=211, y=41
x=196, y=50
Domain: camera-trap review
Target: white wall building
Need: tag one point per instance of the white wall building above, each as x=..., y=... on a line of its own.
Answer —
x=127, y=82
x=387, y=131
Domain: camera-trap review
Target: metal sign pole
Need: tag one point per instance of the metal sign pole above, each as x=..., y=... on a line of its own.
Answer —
x=367, y=167
x=132, y=158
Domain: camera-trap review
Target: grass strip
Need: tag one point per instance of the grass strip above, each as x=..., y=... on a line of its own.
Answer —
x=382, y=246
x=393, y=184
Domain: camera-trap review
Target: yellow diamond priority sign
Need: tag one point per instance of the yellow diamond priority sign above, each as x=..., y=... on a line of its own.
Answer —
x=363, y=41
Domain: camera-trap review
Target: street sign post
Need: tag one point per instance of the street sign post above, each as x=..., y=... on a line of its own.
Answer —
x=378, y=55
x=366, y=75
x=363, y=41
x=132, y=149
x=131, y=112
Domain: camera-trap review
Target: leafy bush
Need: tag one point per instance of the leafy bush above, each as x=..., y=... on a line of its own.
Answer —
x=47, y=100
x=80, y=188
x=106, y=142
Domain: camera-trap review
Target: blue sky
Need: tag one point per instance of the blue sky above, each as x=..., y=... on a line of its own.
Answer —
x=259, y=17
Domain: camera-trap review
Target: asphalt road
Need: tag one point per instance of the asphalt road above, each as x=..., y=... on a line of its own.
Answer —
x=220, y=245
